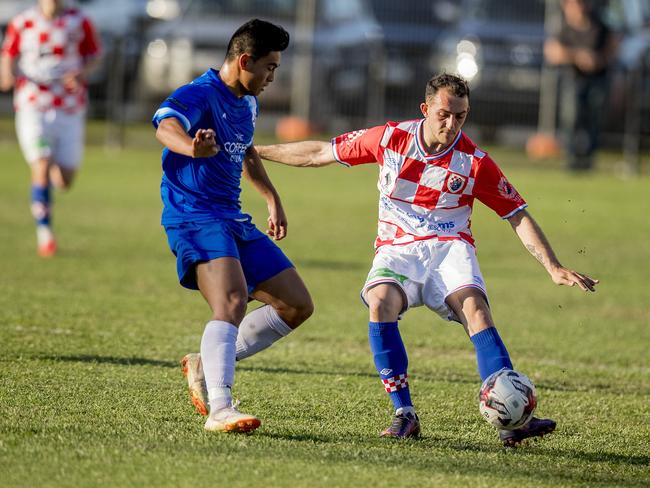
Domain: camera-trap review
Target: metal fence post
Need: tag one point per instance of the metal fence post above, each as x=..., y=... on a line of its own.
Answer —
x=301, y=76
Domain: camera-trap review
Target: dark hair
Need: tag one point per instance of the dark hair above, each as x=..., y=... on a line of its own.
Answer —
x=454, y=83
x=257, y=38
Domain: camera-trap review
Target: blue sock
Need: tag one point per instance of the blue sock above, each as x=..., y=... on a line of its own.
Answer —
x=391, y=361
x=41, y=204
x=491, y=353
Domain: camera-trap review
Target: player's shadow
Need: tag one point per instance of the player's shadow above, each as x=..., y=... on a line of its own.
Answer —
x=306, y=372
x=121, y=361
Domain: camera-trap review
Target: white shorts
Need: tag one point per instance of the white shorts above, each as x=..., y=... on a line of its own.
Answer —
x=427, y=272
x=52, y=134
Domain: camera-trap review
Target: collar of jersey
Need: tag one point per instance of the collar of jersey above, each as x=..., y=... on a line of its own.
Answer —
x=420, y=144
x=221, y=86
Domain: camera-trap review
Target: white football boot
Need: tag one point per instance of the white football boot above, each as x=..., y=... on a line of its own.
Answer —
x=193, y=371
x=231, y=420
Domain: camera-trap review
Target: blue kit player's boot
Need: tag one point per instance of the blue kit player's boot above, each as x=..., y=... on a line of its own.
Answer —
x=535, y=428
x=193, y=371
x=404, y=425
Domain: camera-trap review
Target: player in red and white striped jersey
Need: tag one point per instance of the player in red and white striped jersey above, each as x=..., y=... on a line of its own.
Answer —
x=430, y=173
x=46, y=56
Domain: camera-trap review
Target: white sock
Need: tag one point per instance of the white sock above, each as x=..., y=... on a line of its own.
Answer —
x=405, y=411
x=259, y=329
x=218, y=358
x=43, y=234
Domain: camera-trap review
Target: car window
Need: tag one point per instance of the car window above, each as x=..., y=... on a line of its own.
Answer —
x=528, y=11
x=285, y=9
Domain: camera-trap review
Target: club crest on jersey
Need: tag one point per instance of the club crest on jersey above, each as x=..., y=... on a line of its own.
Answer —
x=455, y=183
x=506, y=190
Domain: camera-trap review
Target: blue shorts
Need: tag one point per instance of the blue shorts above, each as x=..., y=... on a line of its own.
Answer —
x=194, y=243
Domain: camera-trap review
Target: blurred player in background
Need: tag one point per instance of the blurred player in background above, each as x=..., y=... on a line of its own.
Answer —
x=207, y=129
x=47, y=54
x=430, y=172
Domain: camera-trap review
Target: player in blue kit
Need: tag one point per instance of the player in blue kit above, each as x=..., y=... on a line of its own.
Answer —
x=207, y=129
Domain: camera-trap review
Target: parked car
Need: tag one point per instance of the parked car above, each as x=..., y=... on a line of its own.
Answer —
x=410, y=34
x=177, y=51
x=498, y=47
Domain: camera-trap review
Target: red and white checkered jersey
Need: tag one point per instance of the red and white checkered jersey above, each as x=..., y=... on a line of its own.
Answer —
x=426, y=196
x=45, y=50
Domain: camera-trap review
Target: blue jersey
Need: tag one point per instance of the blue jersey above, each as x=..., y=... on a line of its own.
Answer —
x=203, y=189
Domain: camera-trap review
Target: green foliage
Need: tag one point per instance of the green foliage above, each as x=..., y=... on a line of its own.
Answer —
x=91, y=392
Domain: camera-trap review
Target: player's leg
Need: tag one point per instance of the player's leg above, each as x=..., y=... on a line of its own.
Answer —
x=67, y=151
x=32, y=131
x=273, y=280
x=385, y=303
x=62, y=177
x=222, y=284
x=41, y=207
x=471, y=307
x=287, y=304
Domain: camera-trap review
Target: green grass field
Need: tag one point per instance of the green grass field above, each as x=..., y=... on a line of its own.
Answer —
x=91, y=393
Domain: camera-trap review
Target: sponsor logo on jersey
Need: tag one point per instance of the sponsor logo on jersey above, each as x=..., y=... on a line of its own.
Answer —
x=235, y=147
x=455, y=183
x=442, y=226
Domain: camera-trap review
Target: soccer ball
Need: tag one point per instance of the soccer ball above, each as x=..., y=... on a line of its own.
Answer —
x=507, y=399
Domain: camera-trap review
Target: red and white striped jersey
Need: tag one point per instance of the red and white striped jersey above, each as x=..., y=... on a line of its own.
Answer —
x=47, y=49
x=426, y=196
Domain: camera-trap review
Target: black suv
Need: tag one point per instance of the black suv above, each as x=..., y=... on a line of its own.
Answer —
x=498, y=47
x=177, y=51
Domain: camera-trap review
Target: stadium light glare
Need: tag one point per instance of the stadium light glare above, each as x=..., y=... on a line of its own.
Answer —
x=466, y=66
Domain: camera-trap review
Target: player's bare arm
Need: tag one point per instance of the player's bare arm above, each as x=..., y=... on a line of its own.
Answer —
x=535, y=241
x=172, y=135
x=254, y=172
x=305, y=154
x=6, y=73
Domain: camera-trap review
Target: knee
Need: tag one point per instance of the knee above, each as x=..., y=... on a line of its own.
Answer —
x=296, y=314
x=382, y=309
x=232, y=309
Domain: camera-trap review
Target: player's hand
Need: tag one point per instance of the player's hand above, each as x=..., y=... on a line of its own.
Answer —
x=586, y=60
x=72, y=81
x=204, y=144
x=277, y=221
x=567, y=277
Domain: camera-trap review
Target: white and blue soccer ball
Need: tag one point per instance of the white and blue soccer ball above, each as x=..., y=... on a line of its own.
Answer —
x=507, y=399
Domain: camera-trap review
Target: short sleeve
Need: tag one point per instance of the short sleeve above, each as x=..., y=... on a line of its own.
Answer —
x=358, y=147
x=493, y=189
x=186, y=104
x=90, y=45
x=11, y=44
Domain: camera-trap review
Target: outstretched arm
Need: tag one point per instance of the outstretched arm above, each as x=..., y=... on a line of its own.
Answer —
x=304, y=154
x=254, y=172
x=533, y=238
x=171, y=133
